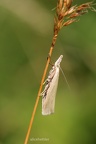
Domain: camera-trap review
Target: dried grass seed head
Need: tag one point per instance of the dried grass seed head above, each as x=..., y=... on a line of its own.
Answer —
x=66, y=14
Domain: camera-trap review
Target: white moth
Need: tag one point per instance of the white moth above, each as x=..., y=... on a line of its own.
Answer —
x=49, y=93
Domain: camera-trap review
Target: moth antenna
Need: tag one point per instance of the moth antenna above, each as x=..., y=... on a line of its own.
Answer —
x=65, y=78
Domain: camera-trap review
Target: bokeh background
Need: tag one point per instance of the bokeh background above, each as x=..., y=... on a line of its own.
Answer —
x=26, y=30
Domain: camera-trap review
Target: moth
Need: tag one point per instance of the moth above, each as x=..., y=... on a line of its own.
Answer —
x=49, y=92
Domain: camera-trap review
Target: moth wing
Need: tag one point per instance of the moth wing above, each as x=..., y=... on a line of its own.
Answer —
x=48, y=102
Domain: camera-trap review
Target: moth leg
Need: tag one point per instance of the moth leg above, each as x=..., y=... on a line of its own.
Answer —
x=45, y=82
x=50, y=60
x=42, y=93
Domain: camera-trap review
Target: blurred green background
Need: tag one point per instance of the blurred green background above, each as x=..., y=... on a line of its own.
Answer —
x=26, y=30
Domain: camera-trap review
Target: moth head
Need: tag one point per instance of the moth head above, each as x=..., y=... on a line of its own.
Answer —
x=57, y=63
